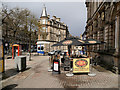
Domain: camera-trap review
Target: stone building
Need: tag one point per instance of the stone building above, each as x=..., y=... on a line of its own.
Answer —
x=103, y=24
x=51, y=31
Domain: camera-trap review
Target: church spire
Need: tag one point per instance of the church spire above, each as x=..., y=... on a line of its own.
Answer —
x=44, y=12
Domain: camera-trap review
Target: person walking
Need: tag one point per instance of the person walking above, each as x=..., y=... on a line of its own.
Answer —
x=97, y=59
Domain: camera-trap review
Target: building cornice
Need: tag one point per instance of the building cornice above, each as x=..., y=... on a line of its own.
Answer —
x=97, y=11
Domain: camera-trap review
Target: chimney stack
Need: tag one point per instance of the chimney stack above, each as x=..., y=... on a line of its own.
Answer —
x=54, y=17
x=58, y=19
x=48, y=16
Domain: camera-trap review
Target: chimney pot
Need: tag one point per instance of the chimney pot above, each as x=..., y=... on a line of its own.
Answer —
x=57, y=19
x=54, y=17
x=48, y=16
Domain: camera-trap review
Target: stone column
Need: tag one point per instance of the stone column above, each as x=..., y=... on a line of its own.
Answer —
x=117, y=39
x=118, y=44
x=118, y=35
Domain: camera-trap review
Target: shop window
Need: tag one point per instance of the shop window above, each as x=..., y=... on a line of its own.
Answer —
x=38, y=48
x=42, y=47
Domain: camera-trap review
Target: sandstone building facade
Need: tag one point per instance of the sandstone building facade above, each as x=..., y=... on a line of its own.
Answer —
x=103, y=24
x=51, y=31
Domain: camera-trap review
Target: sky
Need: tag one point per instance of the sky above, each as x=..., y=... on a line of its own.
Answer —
x=74, y=14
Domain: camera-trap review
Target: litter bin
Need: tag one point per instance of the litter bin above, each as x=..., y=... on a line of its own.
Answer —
x=20, y=63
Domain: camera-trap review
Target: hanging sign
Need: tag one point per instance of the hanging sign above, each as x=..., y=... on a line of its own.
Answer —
x=80, y=65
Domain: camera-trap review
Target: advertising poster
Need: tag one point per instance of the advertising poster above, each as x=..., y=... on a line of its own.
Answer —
x=81, y=65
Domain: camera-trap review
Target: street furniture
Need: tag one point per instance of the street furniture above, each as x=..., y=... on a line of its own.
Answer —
x=20, y=63
x=56, y=66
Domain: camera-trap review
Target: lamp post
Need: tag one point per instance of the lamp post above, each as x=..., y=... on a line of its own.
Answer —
x=30, y=43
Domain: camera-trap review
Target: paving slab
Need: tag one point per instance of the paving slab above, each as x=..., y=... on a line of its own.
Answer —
x=37, y=76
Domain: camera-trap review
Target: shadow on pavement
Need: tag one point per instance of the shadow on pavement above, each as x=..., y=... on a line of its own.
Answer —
x=80, y=73
x=10, y=87
x=8, y=73
x=9, y=57
x=11, y=72
x=101, y=68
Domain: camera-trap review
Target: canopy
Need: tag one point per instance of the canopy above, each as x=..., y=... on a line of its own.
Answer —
x=92, y=42
x=77, y=42
x=70, y=41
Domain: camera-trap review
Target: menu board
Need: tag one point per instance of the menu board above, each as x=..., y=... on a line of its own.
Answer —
x=56, y=66
x=81, y=65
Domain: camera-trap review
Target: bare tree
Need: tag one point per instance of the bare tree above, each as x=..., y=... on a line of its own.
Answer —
x=32, y=23
x=18, y=25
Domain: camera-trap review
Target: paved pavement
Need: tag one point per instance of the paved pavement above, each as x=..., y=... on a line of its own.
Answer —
x=37, y=76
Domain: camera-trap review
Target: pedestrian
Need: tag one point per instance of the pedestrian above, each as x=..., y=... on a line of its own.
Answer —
x=58, y=55
x=97, y=59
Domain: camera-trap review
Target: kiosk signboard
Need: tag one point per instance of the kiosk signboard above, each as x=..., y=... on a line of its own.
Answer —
x=81, y=65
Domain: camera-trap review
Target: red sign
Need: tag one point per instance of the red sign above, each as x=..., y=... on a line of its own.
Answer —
x=56, y=62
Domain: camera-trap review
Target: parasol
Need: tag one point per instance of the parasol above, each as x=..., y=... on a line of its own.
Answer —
x=70, y=41
x=92, y=42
